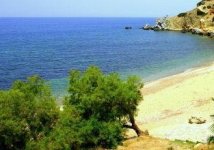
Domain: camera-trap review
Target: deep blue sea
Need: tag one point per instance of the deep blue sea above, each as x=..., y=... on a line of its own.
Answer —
x=51, y=47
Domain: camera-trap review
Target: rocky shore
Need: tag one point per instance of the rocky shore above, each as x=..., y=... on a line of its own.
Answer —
x=161, y=25
x=199, y=21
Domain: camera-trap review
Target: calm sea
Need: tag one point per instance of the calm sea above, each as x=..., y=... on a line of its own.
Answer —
x=51, y=47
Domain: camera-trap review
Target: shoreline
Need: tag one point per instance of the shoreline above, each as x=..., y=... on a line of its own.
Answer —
x=147, y=84
x=170, y=101
x=149, y=87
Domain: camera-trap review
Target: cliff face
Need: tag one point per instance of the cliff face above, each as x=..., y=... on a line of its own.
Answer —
x=200, y=17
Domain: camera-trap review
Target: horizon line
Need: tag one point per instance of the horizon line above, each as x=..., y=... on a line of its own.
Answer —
x=76, y=17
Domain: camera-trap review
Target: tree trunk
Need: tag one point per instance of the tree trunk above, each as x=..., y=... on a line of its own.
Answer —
x=134, y=125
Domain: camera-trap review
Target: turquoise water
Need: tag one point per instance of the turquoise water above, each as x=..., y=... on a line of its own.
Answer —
x=51, y=47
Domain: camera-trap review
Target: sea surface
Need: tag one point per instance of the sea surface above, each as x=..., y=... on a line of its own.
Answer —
x=51, y=47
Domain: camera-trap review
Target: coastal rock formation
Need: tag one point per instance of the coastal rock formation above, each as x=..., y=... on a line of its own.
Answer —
x=160, y=25
x=202, y=17
x=147, y=27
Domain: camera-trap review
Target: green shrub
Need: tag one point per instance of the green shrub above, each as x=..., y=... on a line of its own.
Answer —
x=182, y=14
x=27, y=113
x=200, y=3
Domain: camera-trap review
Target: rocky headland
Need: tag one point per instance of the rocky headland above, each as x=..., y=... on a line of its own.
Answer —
x=201, y=17
x=199, y=21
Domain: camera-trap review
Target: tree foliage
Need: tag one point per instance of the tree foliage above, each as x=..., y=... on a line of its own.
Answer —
x=105, y=97
x=95, y=112
x=27, y=113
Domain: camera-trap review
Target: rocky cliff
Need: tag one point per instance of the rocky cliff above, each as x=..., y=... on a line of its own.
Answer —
x=201, y=17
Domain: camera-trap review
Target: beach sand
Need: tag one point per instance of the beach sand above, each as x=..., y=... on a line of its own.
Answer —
x=170, y=102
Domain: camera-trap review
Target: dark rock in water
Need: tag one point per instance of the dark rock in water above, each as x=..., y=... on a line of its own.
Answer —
x=147, y=27
x=210, y=34
x=128, y=28
x=205, y=33
x=184, y=31
x=201, y=33
x=193, y=31
x=158, y=28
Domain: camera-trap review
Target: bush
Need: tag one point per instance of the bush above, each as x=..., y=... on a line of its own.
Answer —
x=209, y=7
x=182, y=14
x=200, y=3
x=27, y=113
x=71, y=132
x=200, y=13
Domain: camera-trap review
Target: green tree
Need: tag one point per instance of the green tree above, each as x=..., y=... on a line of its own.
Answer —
x=27, y=113
x=73, y=132
x=105, y=97
x=64, y=136
x=96, y=112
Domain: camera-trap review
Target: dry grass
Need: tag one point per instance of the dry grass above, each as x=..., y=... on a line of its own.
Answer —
x=151, y=143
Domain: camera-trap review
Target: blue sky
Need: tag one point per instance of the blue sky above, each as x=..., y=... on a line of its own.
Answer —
x=93, y=8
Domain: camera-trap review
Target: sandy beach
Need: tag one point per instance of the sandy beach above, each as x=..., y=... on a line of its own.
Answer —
x=170, y=102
